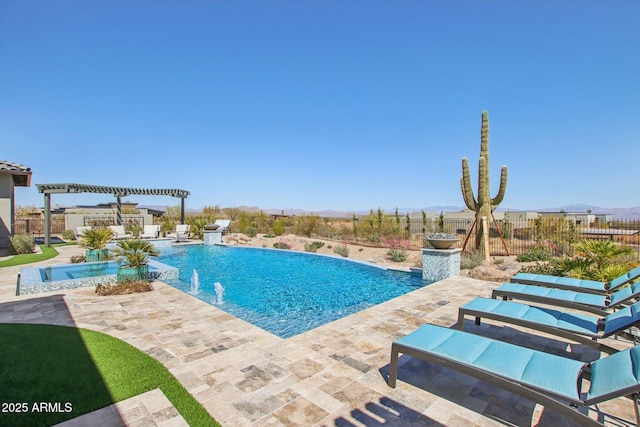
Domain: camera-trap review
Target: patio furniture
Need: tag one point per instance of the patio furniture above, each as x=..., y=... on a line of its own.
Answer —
x=150, y=232
x=182, y=232
x=596, y=303
x=550, y=380
x=582, y=328
x=573, y=284
x=119, y=232
x=79, y=232
x=223, y=224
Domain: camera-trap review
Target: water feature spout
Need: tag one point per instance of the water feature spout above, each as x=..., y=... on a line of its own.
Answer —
x=219, y=290
x=195, y=283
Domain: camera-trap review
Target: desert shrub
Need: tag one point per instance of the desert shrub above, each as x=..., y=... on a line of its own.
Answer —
x=250, y=231
x=128, y=287
x=538, y=253
x=197, y=227
x=167, y=224
x=470, y=260
x=397, y=254
x=278, y=227
x=68, y=235
x=22, y=244
x=559, y=231
x=76, y=259
x=313, y=246
x=306, y=225
x=282, y=245
x=342, y=250
x=134, y=228
x=397, y=249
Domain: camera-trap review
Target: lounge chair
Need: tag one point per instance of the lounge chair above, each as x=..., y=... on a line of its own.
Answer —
x=119, y=233
x=596, y=303
x=182, y=232
x=79, y=232
x=582, y=328
x=573, y=284
x=544, y=378
x=150, y=232
x=223, y=224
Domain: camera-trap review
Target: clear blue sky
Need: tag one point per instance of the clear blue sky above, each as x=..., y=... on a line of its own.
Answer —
x=343, y=105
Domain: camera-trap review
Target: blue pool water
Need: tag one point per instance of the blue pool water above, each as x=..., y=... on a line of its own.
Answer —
x=77, y=271
x=285, y=293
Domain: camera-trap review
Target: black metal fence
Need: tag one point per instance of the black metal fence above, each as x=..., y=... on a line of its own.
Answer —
x=556, y=234
x=506, y=237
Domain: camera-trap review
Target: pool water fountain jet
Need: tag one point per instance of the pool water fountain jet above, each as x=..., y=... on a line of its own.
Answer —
x=219, y=290
x=195, y=283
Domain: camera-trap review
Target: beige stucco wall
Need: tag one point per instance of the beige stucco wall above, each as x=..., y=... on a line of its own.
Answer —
x=75, y=217
x=6, y=208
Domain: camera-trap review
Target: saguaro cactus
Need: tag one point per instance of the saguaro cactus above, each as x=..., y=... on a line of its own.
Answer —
x=484, y=204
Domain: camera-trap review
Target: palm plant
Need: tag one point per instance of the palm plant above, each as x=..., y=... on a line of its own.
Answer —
x=601, y=260
x=96, y=238
x=134, y=252
x=197, y=227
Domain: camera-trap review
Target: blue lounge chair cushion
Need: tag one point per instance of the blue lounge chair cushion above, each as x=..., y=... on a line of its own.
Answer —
x=594, y=300
x=543, y=371
x=625, y=278
x=624, y=294
x=543, y=279
x=622, y=319
x=574, y=322
x=610, y=375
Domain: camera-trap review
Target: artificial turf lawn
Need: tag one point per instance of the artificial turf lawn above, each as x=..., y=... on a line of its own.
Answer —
x=47, y=253
x=86, y=369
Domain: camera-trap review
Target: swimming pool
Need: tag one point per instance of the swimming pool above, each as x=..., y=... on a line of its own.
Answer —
x=285, y=293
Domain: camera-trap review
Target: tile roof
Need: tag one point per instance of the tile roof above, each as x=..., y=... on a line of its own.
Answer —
x=21, y=174
x=13, y=167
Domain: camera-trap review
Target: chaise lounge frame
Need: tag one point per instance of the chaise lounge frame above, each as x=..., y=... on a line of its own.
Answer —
x=546, y=397
x=580, y=337
x=572, y=284
x=597, y=304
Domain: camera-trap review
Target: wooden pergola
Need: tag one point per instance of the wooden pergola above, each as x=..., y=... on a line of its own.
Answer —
x=118, y=192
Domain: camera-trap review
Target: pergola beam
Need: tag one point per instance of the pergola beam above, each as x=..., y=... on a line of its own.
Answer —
x=118, y=192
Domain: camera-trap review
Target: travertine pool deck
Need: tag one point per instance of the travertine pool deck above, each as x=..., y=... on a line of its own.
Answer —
x=331, y=376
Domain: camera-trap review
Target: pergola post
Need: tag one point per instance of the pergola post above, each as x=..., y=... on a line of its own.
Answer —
x=181, y=210
x=118, y=210
x=47, y=220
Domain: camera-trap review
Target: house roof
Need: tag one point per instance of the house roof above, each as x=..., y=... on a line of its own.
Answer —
x=21, y=174
x=116, y=191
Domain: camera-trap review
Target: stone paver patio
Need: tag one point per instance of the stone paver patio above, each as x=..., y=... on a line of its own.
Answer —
x=333, y=375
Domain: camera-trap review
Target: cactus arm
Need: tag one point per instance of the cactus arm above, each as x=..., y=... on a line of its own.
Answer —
x=465, y=186
x=503, y=188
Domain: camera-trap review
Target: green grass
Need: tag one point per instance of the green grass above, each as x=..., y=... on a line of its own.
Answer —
x=87, y=369
x=47, y=253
